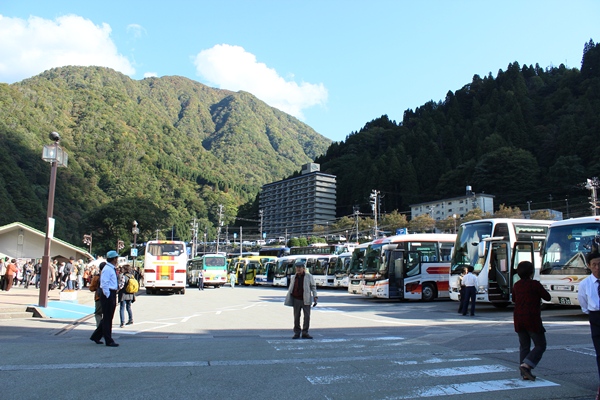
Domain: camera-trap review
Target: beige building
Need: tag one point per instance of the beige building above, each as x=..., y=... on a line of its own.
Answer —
x=20, y=241
x=459, y=206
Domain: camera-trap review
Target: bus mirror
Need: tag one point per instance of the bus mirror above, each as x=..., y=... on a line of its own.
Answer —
x=481, y=249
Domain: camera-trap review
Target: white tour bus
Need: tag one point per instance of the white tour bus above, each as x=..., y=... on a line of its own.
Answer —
x=356, y=278
x=165, y=266
x=322, y=268
x=341, y=270
x=494, y=247
x=563, y=263
x=414, y=266
x=286, y=267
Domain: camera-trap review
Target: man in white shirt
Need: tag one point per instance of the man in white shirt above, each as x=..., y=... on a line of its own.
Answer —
x=470, y=282
x=589, y=300
x=108, y=298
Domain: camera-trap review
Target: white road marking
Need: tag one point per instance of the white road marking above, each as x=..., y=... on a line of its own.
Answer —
x=440, y=372
x=436, y=361
x=474, y=387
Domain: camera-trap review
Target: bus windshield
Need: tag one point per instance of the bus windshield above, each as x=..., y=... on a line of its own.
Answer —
x=567, y=247
x=465, y=248
x=218, y=262
x=165, y=249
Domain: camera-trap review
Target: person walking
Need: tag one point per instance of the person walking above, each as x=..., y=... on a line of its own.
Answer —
x=527, y=295
x=232, y=280
x=3, y=264
x=108, y=298
x=125, y=298
x=470, y=282
x=95, y=287
x=80, y=267
x=38, y=273
x=589, y=300
x=461, y=289
x=27, y=273
x=200, y=280
x=11, y=272
x=301, y=293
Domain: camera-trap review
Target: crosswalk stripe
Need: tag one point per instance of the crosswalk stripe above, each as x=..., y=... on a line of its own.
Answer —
x=474, y=387
x=438, y=372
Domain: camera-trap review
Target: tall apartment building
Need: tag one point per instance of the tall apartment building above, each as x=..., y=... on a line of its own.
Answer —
x=293, y=206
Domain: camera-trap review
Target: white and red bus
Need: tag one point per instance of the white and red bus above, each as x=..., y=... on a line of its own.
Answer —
x=564, y=263
x=414, y=266
x=494, y=247
x=165, y=266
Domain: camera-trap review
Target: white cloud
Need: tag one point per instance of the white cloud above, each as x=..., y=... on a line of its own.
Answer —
x=29, y=47
x=150, y=74
x=136, y=30
x=233, y=68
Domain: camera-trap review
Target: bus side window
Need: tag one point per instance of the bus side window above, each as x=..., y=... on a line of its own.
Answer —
x=412, y=267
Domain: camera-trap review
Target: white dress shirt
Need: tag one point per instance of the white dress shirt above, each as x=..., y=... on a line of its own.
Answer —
x=588, y=294
x=469, y=280
x=108, y=279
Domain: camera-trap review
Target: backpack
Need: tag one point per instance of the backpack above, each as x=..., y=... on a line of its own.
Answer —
x=132, y=285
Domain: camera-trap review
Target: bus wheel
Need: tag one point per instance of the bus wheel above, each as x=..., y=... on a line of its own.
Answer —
x=500, y=305
x=148, y=291
x=428, y=292
x=182, y=291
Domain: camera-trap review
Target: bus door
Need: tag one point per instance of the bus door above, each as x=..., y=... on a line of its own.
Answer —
x=250, y=273
x=499, y=273
x=522, y=251
x=395, y=266
x=411, y=275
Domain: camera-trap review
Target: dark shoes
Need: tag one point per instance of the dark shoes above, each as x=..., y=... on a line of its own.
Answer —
x=297, y=336
x=306, y=336
x=129, y=323
x=526, y=373
x=122, y=325
x=113, y=344
x=96, y=341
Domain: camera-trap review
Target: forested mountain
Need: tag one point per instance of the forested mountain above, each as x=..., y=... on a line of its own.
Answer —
x=529, y=134
x=161, y=151
x=164, y=151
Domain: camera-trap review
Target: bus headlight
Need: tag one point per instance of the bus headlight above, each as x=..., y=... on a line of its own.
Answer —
x=481, y=289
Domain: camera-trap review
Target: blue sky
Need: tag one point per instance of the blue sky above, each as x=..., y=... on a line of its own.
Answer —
x=334, y=64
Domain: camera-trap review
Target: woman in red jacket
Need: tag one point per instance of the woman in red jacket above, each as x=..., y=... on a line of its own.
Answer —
x=527, y=296
x=11, y=272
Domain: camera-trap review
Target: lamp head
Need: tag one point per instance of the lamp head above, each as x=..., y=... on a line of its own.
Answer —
x=54, y=136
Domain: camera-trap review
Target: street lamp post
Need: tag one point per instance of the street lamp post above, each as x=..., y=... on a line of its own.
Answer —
x=57, y=157
x=454, y=216
x=135, y=230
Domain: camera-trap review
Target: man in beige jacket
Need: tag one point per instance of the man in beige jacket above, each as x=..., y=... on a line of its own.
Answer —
x=301, y=294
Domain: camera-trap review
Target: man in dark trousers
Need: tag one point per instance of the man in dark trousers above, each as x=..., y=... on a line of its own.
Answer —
x=108, y=299
x=301, y=293
x=470, y=282
x=589, y=300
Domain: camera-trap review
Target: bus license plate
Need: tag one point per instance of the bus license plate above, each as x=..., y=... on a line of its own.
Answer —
x=563, y=288
x=164, y=277
x=564, y=300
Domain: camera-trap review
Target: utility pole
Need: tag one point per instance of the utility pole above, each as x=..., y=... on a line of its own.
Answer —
x=529, y=207
x=194, y=237
x=220, y=225
x=356, y=214
x=260, y=213
x=593, y=184
x=374, y=206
